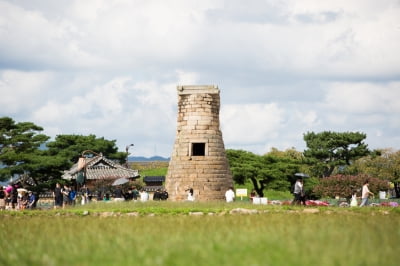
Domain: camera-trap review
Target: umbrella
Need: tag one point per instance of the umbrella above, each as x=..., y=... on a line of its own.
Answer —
x=22, y=191
x=120, y=181
x=301, y=175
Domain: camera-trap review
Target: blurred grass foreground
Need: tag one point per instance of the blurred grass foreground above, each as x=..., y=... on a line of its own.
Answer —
x=164, y=233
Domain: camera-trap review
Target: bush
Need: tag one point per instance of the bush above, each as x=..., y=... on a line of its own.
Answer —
x=344, y=185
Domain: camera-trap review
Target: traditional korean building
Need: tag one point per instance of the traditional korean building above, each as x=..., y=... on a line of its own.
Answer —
x=153, y=183
x=98, y=169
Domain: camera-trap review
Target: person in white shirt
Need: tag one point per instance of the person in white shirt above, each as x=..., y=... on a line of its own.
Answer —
x=144, y=196
x=298, y=192
x=353, y=201
x=190, y=196
x=230, y=195
x=365, y=194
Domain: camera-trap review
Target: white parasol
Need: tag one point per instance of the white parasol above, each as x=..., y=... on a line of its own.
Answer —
x=120, y=181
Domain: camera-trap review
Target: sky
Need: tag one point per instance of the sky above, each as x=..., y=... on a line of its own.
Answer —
x=284, y=68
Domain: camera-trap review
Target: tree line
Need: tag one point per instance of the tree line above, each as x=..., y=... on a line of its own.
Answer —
x=337, y=163
x=37, y=161
x=331, y=160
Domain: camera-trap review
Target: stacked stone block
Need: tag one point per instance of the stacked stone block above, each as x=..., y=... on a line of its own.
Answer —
x=198, y=159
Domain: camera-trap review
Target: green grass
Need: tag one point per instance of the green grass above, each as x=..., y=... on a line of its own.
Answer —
x=278, y=195
x=154, y=172
x=277, y=235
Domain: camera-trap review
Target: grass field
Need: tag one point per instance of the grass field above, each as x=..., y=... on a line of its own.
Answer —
x=165, y=233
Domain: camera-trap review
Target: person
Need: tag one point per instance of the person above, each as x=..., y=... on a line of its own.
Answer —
x=302, y=193
x=144, y=196
x=118, y=195
x=14, y=196
x=365, y=194
x=298, y=192
x=99, y=195
x=65, y=193
x=253, y=194
x=24, y=201
x=2, y=198
x=31, y=200
x=190, y=196
x=157, y=195
x=135, y=193
x=8, y=202
x=353, y=201
x=128, y=195
x=230, y=195
x=72, y=196
x=85, y=195
x=107, y=197
x=8, y=199
x=58, y=198
x=164, y=194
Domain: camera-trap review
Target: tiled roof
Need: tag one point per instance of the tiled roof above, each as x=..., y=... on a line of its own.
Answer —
x=99, y=167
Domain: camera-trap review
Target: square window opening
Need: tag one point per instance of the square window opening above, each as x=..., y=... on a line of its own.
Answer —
x=198, y=149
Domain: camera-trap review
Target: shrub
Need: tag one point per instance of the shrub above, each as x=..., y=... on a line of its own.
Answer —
x=344, y=185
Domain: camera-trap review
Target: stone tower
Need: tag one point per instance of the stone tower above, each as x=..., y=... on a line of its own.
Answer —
x=198, y=159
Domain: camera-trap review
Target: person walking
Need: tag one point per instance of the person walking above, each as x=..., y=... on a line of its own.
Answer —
x=365, y=194
x=298, y=192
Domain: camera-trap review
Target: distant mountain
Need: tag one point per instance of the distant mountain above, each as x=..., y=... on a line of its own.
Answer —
x=146, y=159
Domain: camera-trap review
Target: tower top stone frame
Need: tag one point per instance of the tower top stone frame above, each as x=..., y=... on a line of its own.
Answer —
x=198, y=159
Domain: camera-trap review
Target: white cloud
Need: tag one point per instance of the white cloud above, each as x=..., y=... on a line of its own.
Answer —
x=120, y=107
x=363, y=97
x=21, y=91
x=250, y=123
x=111, y=67
x=37, y=42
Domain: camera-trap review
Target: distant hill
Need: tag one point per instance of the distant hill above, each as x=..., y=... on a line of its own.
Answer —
x=146, y=159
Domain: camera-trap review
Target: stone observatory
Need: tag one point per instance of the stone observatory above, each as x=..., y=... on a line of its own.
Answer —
x=198, y=160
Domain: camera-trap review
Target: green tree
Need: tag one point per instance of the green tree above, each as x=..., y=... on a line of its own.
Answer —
x=383, y=164
x=19, y=148
x=326, y=151
x=263, y=171
x=27, y=153
x=71, y=147
x=65, y=151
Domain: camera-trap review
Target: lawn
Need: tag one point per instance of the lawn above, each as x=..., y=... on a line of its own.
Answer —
x=164, y=233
